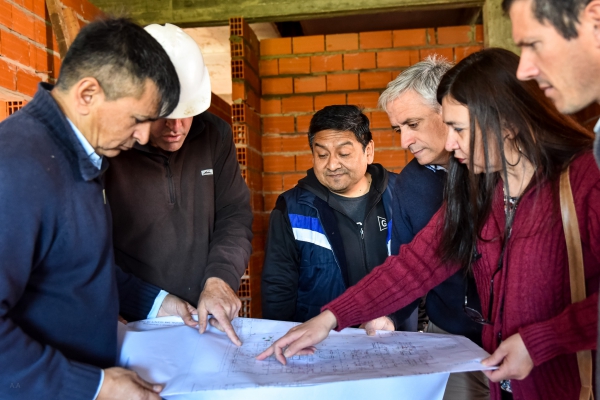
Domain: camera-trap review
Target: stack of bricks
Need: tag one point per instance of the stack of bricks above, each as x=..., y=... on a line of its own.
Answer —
x=220, y=108
x=247, y=137
x=28, y=48
x=302, y=75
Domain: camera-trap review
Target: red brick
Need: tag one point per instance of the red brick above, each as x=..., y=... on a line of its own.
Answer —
x=479, y=33
x=5, y=13
x=339, y=82
x=379, y=119
x=268, y=67
x=39, y=9
x=277, y=46
x=272, y=183
x=8, y=75
x=41, y=59
x=341, y=42
x=271, y=144
x=269, y=201
x=272, y=106
x=238, y=91
x=304, y=162
x=359, y=61
x=454, y=34
x=295, y=144
x=28, y=4
x=296, y=65
x=278, y=124
x=302, y=123
x=365, y=99
x=390, y=59
x=390, y=158
x=375, y=80
x=277, y=85
x=324, y=100
x=308, y=44
x=14, y=48
x=410, y=37
x=297, y=104
x=310, y=84
x=383, y=139
x=41, y=32
x=326, y=63
x=445, y=52
x=375, y=40
x=291, y=180
x=464, y=52
x=26, y=82
x=279, y=163
x=414, y=56
x=23, y=23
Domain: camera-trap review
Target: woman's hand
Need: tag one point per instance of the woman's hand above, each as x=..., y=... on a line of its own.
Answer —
x=301, y=339
x=513, y=359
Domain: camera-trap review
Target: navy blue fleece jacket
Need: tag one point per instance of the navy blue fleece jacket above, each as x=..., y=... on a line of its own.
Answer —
x=59, y=288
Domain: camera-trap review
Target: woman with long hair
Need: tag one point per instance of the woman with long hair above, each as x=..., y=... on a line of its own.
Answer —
x=501, y=221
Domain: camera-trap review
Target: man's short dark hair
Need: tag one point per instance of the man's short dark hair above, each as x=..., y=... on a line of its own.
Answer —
x=341, y=118
x=563, y=15
x=120, y=55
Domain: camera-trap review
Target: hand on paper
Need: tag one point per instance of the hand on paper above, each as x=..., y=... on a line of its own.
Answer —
x=378, y=324
x=120, y=383
x=220, y=300
x=301, y=339
x=513, y=360
x=173, y=305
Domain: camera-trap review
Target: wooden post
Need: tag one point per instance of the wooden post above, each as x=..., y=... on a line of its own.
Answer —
x=64, y=24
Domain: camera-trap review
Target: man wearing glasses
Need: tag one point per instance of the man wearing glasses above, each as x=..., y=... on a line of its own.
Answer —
x=411, y=105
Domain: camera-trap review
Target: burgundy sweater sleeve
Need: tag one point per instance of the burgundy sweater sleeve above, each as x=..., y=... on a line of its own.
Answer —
x=575, y=328
x=397, y=282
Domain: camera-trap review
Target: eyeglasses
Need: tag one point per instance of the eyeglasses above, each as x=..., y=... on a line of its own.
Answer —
x=474, y=314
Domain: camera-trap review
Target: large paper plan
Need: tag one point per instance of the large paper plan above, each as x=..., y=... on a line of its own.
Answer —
x=197, y=366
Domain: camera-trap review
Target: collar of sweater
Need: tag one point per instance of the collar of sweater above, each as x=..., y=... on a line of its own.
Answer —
x=45, y=109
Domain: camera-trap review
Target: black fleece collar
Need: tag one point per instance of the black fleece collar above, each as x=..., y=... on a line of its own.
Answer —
x=379, y=181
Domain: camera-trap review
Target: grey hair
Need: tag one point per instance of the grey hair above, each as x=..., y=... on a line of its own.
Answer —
x=423, y=77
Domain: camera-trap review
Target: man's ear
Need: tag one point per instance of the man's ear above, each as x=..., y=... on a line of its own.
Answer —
x=370, y=151
x=87, y=93
x=591, y=14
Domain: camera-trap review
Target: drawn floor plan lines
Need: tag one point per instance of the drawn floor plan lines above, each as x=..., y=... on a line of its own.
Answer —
x=189, y=362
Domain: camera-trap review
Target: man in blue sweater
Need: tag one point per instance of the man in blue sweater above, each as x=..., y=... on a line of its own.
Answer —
x=411, y=105
x=60, y=293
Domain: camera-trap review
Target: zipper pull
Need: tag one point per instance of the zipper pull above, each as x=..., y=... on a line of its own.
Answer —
x=362, y=233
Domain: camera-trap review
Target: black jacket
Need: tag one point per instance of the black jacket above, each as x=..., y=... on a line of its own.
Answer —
x=184, y=217
x=299, y=279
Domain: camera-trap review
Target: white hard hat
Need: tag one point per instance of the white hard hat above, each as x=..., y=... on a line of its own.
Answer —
x=191, y=71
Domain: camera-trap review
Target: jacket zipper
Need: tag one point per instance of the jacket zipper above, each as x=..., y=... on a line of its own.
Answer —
x=170, y=182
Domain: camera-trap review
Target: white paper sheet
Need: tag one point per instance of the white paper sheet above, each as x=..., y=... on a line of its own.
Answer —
x=388, y=365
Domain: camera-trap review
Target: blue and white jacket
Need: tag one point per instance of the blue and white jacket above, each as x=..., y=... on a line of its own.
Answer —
x=314, y=249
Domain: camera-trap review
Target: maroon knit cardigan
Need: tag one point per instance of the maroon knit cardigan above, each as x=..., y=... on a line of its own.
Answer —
x=533, y=285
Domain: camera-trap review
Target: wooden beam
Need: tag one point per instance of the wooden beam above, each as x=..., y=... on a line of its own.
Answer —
x=64, y=24
x=192, y=13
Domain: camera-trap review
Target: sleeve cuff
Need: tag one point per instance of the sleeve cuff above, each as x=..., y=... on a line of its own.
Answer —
x=157, y=303
x=100, y=385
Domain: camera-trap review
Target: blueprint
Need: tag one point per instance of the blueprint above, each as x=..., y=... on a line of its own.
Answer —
x=164, y=351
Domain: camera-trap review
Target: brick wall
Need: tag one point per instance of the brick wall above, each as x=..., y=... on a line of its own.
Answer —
x=247, y=137
x=28, y=48
x=302, y=75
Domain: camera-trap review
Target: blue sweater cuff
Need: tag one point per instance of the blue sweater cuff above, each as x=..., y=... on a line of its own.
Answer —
x=81, y=382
